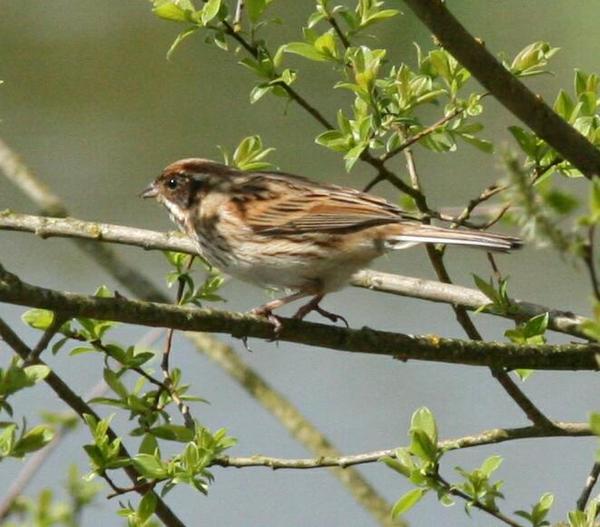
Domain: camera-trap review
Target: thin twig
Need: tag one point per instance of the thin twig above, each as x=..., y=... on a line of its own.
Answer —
x=336, y=27
x=421, y=134
x=184, y=409
x=487, y=437
x=451, y=489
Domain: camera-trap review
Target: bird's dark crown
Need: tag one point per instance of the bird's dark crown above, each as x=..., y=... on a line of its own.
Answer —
x=185, y=181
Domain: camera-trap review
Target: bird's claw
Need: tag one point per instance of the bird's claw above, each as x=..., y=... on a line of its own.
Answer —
x=274, y=320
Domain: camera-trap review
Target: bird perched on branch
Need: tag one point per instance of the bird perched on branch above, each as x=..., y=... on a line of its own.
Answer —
x=286, y=231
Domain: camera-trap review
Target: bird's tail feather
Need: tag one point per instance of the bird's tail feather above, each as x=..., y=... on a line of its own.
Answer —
x=405, y=235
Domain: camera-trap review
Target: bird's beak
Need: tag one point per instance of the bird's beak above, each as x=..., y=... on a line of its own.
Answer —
x=149, y=192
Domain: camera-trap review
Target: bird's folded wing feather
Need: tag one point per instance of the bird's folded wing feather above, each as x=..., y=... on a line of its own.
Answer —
x=299, y=209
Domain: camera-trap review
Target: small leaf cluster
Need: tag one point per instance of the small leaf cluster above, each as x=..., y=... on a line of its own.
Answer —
x=14, y=378
x=18, y=445
x=387, y=100
x=586, y=518
x=188, y=467
x=17, y=377
x=249, y=155
x=539, y=512
x=191, y=465
x=181, y=274
x=580, y=111
x=478, y=487
x=419, y=462
x=142, y=516
x=500, y=301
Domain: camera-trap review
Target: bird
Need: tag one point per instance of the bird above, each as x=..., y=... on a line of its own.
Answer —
x=284, y=231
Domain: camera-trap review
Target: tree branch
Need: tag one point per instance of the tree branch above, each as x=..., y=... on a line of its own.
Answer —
x=506, y=88
x=365, y=340
x=487, y=437
x=430, y=290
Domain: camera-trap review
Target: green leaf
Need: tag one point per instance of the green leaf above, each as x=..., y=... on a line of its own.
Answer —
x=112, y=379
x=149, y=445
x=34, y=439
x=149, y=466
x=305, y=50
x=407, y=501
x=422, y=446
x=524, y=373
x=490, y=465
x=255, y=9
x=180, y=38
x=210, y=11
x=481, y=144
x=173, y=433
x=170, y=11
x=147, y=506
x=38, y=318
x=563, y=105
x=422, y=419
x=36, y=373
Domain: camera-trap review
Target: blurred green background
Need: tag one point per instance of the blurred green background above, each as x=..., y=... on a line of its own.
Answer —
x=94, y=108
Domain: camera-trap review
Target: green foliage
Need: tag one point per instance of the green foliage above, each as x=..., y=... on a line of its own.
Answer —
x=17, y=377
x=29, y=440
x=531, y=332
x=419, y=462
x=586, y=518
x=500, y=301
x=181, y=274
x=478, y=487
x=249, y=155
x=539, y=511
x=533, y=59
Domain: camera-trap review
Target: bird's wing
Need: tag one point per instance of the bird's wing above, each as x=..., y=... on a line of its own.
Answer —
x=282, y=204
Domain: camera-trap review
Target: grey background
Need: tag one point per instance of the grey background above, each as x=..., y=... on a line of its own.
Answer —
x=95, y=109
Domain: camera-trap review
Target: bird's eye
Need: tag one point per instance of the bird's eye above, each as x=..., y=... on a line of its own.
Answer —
x=172, y=183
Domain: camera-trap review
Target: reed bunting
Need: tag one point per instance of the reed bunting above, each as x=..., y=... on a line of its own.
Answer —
x=285, y=231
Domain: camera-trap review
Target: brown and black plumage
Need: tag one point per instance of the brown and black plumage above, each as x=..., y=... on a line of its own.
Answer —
x=281, y=230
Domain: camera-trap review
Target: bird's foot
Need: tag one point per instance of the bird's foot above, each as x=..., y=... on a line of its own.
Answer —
x=274, y=320
x=313, y=305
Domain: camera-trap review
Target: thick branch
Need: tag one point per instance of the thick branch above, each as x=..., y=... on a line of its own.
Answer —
x=488, y=437
x=430, y=290
x=506, y=88
x=365, y=340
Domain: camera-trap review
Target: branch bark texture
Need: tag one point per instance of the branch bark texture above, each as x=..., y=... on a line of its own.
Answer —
x=365, y=340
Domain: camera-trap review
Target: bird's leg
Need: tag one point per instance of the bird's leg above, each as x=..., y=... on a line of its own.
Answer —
x=266, y=310
x=313, y=305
